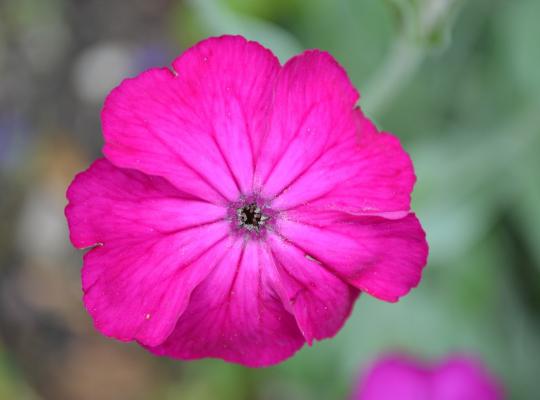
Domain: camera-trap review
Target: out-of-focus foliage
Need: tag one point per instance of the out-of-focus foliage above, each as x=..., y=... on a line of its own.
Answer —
x=457, y=80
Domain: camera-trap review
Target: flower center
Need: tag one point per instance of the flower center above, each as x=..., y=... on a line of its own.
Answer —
x=251, y=217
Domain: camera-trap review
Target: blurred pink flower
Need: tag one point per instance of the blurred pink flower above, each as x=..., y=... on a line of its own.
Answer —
x=400, y=377
x=241, y=207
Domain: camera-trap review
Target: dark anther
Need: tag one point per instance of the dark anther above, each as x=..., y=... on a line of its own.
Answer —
x=251, y=217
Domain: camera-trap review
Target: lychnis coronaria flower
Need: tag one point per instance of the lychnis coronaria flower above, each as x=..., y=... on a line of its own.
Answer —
x=241, y=206
x=398, y=377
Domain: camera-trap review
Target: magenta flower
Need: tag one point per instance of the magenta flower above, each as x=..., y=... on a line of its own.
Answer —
x=241, y=207
x=456, y=378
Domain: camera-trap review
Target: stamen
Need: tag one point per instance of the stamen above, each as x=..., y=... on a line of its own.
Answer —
x=251, y=217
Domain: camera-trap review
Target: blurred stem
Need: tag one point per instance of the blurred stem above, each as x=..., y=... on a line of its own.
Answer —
x=400, y=65
x=411, y=45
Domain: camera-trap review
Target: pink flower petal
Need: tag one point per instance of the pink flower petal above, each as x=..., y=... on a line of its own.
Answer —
x=320, y=301
x=379, y=256
x=401, y=377
x=201, y=128
x=152, y=247
x=312, y=110
x=369, y=174
x=236, y=314
x=395, y=378
x=464, y=378
x=323, y=151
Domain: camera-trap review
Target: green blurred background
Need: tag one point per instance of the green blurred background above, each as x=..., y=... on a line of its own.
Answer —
x=457, y=80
